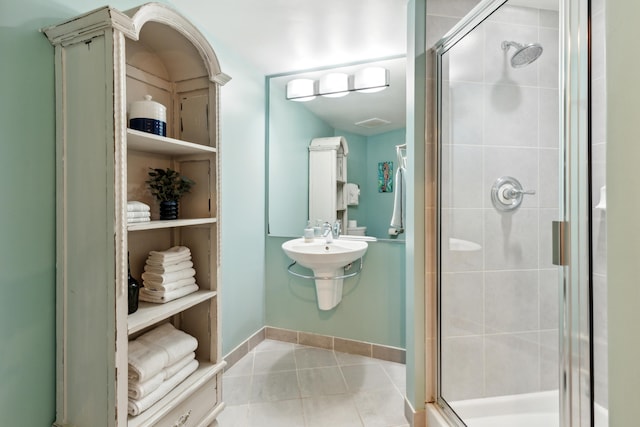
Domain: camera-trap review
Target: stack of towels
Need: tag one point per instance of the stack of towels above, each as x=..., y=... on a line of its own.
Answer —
x=138, y=212
x=159, y=360
x=168, y=275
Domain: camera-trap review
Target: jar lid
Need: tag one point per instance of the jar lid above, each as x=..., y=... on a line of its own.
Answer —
x=148, y=109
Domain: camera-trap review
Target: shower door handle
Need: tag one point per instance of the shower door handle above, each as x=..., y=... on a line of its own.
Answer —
x=559, y=231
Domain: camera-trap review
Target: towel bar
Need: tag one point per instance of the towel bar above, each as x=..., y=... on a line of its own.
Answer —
x=347, y=267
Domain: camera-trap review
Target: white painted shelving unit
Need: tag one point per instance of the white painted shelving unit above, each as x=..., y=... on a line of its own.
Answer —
x=106, y=59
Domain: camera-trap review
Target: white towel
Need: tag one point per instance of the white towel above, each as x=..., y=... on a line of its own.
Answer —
x=161, y=269
x=144, y=361
x=135, y=220
x=136, y=407
x=176, y=343
x=138, y=390
x=161, y=297
x=138, y=214
x=135, y=206
x=168, y=277
x=171, y=254
x=397, y=219
x=353, y=194
x=171, y=286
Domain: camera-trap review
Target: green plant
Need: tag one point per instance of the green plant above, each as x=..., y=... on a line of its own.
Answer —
x=167, y=185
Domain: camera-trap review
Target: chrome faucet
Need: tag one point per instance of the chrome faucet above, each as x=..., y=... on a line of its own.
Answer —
x=330, y=232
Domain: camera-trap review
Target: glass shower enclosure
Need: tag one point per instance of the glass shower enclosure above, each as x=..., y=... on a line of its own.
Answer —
x=513, y=328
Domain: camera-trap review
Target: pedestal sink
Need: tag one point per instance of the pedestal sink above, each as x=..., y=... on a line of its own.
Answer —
x=327, y=260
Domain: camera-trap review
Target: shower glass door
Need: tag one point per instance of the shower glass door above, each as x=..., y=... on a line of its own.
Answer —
x=502, y=324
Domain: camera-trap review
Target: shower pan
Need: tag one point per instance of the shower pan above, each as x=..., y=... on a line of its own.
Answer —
x=513, y=316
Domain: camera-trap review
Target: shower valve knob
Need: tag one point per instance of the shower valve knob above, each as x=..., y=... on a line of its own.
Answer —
x=507, y=193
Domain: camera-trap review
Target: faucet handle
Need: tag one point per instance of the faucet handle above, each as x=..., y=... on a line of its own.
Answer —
x=337, y=228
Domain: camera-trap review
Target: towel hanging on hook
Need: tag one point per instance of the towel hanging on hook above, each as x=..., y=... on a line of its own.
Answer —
x=398, y=216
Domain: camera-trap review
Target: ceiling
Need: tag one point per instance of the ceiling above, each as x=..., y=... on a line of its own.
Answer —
x=285, y=36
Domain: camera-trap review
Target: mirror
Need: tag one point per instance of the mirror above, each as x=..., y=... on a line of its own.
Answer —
x=373, y=125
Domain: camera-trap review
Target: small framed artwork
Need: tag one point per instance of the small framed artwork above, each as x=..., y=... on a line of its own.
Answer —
x=385, y=177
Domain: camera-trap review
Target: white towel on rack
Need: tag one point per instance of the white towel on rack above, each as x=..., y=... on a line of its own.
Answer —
x=169, y=268
x=353, y=194
x=397, y=219
x=161, y=297
x=168, y=277
x=168, y=287
x=135, y=206
x=136, y=407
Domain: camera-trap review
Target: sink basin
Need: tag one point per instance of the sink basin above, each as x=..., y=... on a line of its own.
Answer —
x=324, y=257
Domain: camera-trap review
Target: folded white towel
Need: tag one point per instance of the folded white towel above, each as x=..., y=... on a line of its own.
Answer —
x=169, y=268
x=134, y=220
x=138, y=390
x=165, y=263
x=138, y=214
x=135, y=206
x=161, y=297
x=176, y=252
x=153, y=351
x=136, y=407
x=170, y=371
x=144, y=361
x=171, y=286
x=168, y=277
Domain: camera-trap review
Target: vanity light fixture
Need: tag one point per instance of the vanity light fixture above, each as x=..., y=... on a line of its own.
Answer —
x=371, y=79
x=301, y=90
x=335, y=85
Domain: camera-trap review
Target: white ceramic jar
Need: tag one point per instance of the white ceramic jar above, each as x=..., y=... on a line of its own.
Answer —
x=148, y=116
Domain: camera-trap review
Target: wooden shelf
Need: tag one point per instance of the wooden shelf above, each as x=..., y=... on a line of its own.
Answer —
x=149, y=142
x=149, y=313
x=205, y=372
x=153, y=225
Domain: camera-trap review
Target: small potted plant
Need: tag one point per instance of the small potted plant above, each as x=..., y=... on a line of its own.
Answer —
x=168, y=186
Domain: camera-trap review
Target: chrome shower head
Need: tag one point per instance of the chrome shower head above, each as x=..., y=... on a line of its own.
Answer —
x=525, y=54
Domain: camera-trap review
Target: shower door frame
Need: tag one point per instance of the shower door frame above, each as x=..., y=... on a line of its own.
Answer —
x=575, y=324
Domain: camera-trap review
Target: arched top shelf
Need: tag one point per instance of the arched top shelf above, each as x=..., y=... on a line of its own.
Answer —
x=156, y=19
x=145, y=19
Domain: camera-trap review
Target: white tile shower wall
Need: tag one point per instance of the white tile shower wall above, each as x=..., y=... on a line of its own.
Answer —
x=499, y=303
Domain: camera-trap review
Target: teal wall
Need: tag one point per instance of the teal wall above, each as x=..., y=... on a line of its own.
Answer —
x=372, y=307
x=291, y=129
x=27, y=163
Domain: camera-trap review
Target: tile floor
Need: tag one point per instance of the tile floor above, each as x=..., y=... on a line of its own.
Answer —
x=290, y=385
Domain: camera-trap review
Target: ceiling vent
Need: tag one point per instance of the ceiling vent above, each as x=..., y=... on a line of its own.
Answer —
x=372, y=123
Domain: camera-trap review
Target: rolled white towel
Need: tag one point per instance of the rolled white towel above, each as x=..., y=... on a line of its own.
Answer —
x=138, y=390
x=135, y=220
x=145, y=361
x=171, y=286
x=137, y=214
x=168, y=277
x=169, y=268
x=135, y=206
x=175, y=343
x=137, y=406
x=161, y=297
